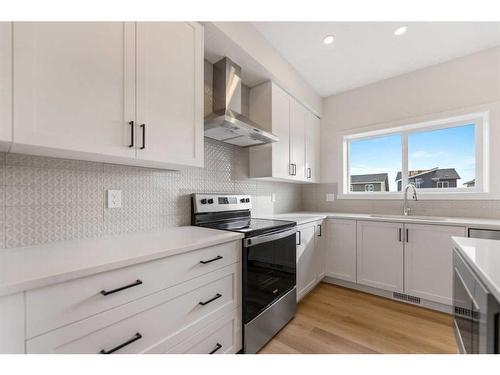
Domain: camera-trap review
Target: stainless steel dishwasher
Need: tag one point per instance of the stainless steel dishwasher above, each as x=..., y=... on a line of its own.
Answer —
x=489, y=234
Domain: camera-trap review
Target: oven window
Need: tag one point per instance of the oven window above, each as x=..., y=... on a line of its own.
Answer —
x=269, y=272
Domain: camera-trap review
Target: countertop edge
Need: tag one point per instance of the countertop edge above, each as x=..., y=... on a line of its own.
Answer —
x=490, y=285
x=23, y=286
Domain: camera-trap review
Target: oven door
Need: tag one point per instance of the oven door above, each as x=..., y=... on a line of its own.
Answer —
x=269, y=270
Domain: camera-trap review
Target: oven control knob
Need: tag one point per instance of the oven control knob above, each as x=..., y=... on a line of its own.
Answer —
x=203, y=201
x=210, y=201
x=247, y=200
x=242, y=200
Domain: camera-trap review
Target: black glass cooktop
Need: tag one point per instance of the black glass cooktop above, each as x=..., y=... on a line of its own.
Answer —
x=251, y=227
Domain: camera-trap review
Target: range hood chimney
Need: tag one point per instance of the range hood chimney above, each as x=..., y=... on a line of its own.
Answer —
x=226, y=123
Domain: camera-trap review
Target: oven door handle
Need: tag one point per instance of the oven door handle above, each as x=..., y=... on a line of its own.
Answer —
x=252, y=241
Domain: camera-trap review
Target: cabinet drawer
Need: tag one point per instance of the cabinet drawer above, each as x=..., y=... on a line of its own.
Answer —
x=164, y=318
x=220, y=337
x=61, y=304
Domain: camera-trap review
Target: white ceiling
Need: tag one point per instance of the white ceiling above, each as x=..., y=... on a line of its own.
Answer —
x=367, y=52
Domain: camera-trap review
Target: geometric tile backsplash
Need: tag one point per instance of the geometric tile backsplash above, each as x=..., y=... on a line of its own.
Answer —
x=47, y=199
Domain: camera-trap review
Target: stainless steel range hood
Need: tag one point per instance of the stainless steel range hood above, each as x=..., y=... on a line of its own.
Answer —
x=226, y=123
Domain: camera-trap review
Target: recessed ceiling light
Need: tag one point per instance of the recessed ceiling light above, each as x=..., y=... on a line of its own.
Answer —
x=329, y=39
x=400, y=30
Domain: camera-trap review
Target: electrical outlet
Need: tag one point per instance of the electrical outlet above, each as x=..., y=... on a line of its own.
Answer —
x=330, y=197
x=114, y=198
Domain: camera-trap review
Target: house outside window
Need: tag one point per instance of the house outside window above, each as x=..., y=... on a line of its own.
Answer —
x=437, y=157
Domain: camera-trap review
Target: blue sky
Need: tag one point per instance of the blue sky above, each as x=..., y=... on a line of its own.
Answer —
x=445, y=148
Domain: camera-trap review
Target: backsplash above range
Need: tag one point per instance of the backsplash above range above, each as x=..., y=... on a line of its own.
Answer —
x=45, y=199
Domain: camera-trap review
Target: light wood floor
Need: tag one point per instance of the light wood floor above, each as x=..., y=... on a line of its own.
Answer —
x=332, y=319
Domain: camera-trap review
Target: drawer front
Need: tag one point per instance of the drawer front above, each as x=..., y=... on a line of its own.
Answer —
x=221, y=337
x=61, y=304
x=159, y=323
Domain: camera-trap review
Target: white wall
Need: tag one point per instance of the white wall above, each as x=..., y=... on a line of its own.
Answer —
x=255, y=45
x=454, y=87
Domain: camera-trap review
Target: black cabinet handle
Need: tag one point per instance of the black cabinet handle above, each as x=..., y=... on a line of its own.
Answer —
x=137, y=336
x=320, y=230
x=399, y=234
x=300, y=237
x=218, y=257
x=131, y=123
x=217, y=296
x=217, y=347
x=143, y=126
x=309, y=173
x=106, y=292
x=290, y=169
x=407, y=237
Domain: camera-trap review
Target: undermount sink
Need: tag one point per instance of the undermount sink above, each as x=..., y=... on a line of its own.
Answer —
x=409, y=217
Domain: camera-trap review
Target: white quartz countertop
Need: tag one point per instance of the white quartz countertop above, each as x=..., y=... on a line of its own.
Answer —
x=303, y=217
x=36, y=266
x=483, y=256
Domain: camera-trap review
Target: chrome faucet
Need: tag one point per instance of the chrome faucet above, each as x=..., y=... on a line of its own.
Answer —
x=406, y=209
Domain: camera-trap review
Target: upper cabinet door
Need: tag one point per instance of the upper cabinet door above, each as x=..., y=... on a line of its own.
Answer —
x=280, y=128
x=170, y=92
x=312, y=134
x=380, y=255
x=297, y=140
x=74, y=89
x=429, y=261
x=5, y=85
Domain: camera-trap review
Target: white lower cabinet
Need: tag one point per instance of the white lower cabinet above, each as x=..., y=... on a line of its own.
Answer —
x=380, y=255
x=340, y=249
x=429, y=261
x=12, y=324
x=186, y=303
x=306, y=260
x=412, y=259
x=164, y=318
x=310, y=255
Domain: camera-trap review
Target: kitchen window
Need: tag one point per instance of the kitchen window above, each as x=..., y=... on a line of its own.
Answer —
x=439, y=157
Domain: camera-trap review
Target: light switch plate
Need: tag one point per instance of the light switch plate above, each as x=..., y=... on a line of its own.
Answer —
x=114, y=198
x=330, y=197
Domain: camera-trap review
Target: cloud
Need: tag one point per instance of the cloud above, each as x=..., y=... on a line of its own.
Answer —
x=428, y=155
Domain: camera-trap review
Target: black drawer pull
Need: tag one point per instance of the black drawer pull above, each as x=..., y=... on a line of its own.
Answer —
x=217, y=347
x=218, y=257
x=106, y=292
x=137, y=336
x=217, y=296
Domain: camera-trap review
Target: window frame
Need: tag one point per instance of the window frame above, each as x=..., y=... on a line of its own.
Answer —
x=481, y=188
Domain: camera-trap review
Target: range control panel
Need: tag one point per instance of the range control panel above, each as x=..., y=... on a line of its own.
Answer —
x=220, y=202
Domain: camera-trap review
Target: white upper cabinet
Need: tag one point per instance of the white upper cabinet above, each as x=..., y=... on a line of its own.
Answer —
x=297, y=140
x=429, y=261
x=73, y=88
x=313, y=140
x=380, y=255
x=82, y=90
x=298, y=132
x=5, y=85
x=170, y=92
x=340, y=249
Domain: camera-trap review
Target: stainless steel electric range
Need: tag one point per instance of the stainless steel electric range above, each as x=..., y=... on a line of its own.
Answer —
x=268, y=260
